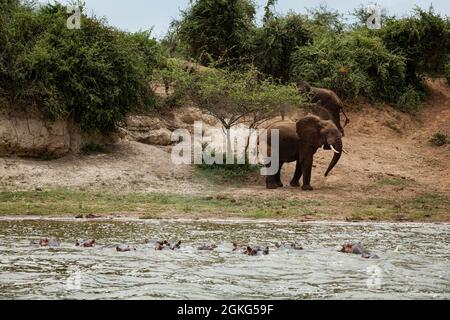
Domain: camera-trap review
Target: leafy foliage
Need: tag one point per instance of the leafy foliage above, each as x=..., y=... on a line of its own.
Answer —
x=96, y=74
x=424, y=39
x=232, y=96
x=352, y=64
x=217, y=29
x=274, y=43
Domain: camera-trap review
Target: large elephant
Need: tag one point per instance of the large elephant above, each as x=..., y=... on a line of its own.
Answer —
x=299, y=142
x=329, y=106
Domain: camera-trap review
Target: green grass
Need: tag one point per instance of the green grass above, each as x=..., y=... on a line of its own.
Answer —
x=67, y=202
x=426, y=207
x=227, y=173
x=63, y=202
x=394, y=182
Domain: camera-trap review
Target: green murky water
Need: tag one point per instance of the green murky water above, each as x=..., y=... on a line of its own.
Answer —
x=414, y=261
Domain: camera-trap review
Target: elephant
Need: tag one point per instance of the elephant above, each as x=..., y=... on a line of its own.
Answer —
x=328, y=105
x=299, y=141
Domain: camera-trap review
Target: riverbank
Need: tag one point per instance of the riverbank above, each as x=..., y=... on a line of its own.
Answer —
x=71, y=203
x=392, y=173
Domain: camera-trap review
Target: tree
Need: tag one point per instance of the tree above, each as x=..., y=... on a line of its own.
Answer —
x=424, y=39
x=274, y=43
x=217, y=29
x=234, y=97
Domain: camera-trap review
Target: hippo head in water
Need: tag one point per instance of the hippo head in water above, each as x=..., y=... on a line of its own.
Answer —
x=48, y=242
x=86, y=243
x=124, y=248
x=357, y=248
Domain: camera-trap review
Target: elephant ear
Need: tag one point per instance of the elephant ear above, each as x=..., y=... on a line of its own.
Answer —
x=308, y=129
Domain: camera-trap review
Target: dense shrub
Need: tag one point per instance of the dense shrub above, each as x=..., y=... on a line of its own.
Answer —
x=96, y=74
x=353, y=64
x=424, y=39
x=217, y=29
x=238, y=171
x=274, y=43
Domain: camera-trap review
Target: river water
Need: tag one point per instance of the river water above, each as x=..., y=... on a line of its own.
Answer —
x=414, y=261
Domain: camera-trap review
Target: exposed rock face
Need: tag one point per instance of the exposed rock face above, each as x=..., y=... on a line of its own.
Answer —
x=148, y=130
x=154, y=130
x=30, y=135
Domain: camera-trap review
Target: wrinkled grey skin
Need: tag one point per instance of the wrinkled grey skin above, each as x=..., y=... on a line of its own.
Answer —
x=299, y=142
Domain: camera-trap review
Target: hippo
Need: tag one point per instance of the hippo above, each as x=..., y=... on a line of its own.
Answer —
x=47, y=242
x=207, y=247
x=257, y=250
x=124, y=248
x=290, y=245
x=85, y=243
x=163, y=245
x=176, y=246
x=357, y=248
x=251, y=251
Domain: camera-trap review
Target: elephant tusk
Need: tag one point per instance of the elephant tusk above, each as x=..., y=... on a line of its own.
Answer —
x=343, y=150
x=334, y=150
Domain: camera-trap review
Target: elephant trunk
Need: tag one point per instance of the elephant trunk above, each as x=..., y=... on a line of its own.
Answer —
x=337, y=148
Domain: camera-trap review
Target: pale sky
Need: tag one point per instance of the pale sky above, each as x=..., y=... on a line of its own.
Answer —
x=135, y=15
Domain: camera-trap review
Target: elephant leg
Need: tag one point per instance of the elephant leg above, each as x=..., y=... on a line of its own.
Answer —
x=307, y=164
x=274, y=181
x=278, y=176
x=295, y=182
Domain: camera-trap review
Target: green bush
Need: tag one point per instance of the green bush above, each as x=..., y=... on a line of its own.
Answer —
x=439, y=139
x=217, y=29
x=228, y=172
x=424, y=39
x=353, y=64
x=96, y=74
x=274, y=43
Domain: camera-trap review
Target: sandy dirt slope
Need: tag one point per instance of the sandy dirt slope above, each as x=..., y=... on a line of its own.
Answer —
x=390, y=156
